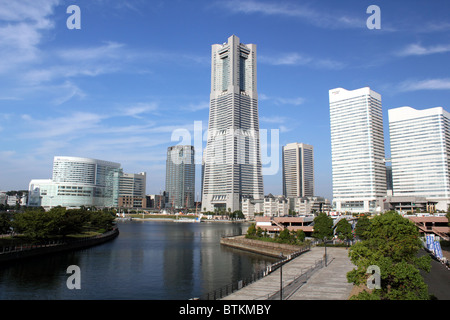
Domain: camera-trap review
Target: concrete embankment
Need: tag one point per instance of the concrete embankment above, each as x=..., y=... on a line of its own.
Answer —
x=262, y=247
x=23, y=252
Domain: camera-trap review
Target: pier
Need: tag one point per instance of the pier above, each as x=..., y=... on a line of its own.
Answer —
x=304, y=278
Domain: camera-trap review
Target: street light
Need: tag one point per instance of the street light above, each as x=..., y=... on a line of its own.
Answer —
x=281, y=276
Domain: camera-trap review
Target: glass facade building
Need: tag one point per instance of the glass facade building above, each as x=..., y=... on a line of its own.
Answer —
x=420, y=153
x=298, y=170
x=77, y=182
x=357, y=149
x=232, y=165
x=180, y=177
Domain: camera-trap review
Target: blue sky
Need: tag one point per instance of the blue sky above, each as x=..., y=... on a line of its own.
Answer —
x=136, y=71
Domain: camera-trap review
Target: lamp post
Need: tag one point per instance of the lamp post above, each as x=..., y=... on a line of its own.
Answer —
x=325, y=244
x=281, y=276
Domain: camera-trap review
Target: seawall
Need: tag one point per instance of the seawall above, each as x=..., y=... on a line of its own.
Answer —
x=28, y=252
x=271, y=249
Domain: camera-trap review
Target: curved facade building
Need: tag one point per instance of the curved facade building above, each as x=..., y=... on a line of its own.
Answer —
x=77, y=182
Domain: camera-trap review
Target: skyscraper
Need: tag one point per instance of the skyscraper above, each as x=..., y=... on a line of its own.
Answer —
x=232, y=166
x=180, y=177
x=420, y=153
x=357, y=149
x=298, y=170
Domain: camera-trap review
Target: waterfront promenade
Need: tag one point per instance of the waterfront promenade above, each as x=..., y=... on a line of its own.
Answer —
x=323, y=283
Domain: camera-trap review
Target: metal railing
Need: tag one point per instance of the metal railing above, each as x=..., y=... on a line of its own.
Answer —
x=237, y=285
x=294, y=284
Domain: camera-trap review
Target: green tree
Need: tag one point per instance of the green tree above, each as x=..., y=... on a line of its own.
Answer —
x=251, y=231
x=101, y=221
x=323, y=226
x=285, y=236
x=392, y=243
x=5, y=222
x=300, y=234
x=344, y=230
x=35, y=224
x=361, y=227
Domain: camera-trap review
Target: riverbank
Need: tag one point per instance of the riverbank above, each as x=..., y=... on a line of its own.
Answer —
x=271, y=249
x=173, y=218
x=28, y=251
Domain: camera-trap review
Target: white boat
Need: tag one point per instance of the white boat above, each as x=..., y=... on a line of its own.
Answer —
x=194, y=220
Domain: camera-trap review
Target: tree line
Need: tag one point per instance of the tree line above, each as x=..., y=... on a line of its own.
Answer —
x=37, y=224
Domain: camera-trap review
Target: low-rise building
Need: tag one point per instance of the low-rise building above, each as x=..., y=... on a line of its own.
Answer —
x=431, y=224
x=276, y=206
x=277, y=224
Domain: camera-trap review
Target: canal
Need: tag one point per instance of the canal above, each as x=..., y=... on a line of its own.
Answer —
x=149, y=260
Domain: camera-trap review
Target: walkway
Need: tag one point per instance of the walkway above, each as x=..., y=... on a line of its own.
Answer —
x=327, y=283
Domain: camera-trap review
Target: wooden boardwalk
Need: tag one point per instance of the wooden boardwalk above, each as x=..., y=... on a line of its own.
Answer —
x=324, y=283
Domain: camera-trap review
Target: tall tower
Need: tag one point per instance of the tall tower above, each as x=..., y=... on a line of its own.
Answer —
x=298, y=170
x=420, y=153
x=357, y=149
x=180, y=177
x=232, y=167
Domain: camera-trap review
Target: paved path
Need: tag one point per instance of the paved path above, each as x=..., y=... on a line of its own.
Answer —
x=327, y=283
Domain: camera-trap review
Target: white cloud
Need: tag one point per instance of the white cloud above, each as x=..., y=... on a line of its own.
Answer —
x=306, y=13
x=282, y=101
x=137, y=110
x=429, y=84
x=70, y=127
x=196, y=107
x=419, y=50
x=276, y=119
x=23, y=32
x=296, y=59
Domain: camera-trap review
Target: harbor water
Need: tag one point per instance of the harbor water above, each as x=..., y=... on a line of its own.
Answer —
x=149, y=260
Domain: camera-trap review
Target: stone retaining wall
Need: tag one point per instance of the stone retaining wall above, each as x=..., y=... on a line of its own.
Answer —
x=263, y=247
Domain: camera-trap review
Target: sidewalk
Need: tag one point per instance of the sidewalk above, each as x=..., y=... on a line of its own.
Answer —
x=327, y=283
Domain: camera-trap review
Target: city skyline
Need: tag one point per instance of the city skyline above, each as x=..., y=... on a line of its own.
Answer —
x=135, y=72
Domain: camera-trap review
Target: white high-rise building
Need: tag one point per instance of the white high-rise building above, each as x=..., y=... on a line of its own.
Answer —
x=357, y=149
x=77, y=182
x=420, y=153
x=298, y=170
x=232, y=168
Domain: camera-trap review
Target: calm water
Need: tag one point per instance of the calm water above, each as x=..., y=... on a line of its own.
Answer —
x=153, y=260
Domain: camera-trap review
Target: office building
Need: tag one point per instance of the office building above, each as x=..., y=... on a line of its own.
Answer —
x=77, y=182
x=132, y=190
x=131, y=184
x=298, y=170
x=420, y=153
x=357, y=150
x=232, y=168
x=180, y=177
